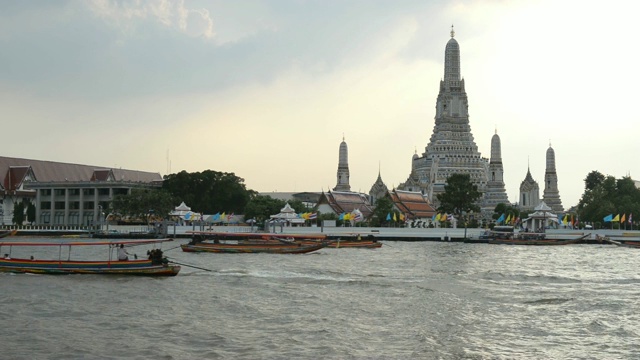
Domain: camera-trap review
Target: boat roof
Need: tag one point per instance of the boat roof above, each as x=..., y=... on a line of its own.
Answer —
x=84, y=243
x=246, y=234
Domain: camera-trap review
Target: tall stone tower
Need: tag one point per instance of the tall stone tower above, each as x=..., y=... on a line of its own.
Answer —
x=551, y=195
x=343, y=168
x=451, y=149
x=496, y=192
x=529, y=193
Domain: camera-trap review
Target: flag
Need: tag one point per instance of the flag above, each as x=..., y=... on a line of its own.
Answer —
x=216, y=216
x=388, y=216
x=401, y=217
x=630, y=218
x=437, y=217
x=312, y=216
x=608, y=218
x=616, y=219
x=500, y=219
x=341, y=217
x=347, y=216
x=433, y=218
x=566, y=219
x=358, y=216
x=623, y=218
x=508, y=221
x=229, y=216
x=449, y=217
x=573, y=223
x=394, y=217
x=223, y=216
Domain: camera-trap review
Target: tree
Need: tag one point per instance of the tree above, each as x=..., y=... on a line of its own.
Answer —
x=209, y=192
x=31, y=213
x=606, y=195
x=460, y=195
x=260, y=207
x=592, y=180
x=140, y=203
x=18, y=213
x=384, y=206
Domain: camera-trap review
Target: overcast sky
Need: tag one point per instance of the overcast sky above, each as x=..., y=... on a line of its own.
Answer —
x=268, y=89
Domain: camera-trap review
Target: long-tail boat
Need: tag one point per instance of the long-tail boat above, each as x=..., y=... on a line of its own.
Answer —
x=6, y=233
x=242, y=243
x=536, y=239
x=154, y=265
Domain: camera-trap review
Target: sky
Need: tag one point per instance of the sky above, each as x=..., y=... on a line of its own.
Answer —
x=268, y=89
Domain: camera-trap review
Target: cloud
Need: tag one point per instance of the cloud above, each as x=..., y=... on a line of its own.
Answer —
x=172, y=14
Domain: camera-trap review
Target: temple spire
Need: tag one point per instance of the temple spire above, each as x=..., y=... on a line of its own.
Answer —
x=453, y=33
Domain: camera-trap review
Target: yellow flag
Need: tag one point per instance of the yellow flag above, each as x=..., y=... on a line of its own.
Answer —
x=438, y=217
x=402, y=217
x=616, y=219
x=394, y=217
x=508, y=219
x=565, y=220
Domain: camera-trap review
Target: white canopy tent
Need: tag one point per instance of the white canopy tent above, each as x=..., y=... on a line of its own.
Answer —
x=287, y=214
x=541, y=218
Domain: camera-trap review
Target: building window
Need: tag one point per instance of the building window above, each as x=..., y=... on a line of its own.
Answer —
x=59, y=205
x=88, y=205
x=59, y=192
x=74, y=218
x=45, y=205
x=103, y=192
x=46, y=192
x=45, y=217
x=58, y=218
x=74, y=205
x=87, y=192
x=74, y=192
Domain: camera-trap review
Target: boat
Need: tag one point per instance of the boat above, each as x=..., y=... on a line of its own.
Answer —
x=154, y=265
x=243, y=243
x=6, y=233
x=115, y=234
x=536, y=239
x=353, y=241
x=622, y=243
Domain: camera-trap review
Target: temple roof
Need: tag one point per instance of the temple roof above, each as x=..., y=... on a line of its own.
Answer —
x=413, y=204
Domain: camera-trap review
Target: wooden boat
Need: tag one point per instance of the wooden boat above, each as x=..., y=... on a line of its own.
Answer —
x=238, y=243
x=240, y=248
x=154, y=265
x=6, y=233
x=536, y=239
x=114, y=234
x=624, y=243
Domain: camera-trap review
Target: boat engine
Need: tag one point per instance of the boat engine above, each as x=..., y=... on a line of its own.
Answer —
x=156, y=258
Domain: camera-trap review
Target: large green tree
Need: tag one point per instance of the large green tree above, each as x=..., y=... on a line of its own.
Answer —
x=261, y=207
x=18, y=213
x=209, y=192
x=31, y=213
x=606, y=195
x=141, y=203
x=460, y=195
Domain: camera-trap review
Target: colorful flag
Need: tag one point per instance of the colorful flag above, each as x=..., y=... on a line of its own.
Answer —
x=500, y=219
x=401, y=217
x=433, y=218
x=566, y=219
x=623, y=218
x=437, y=217
x=394, y=217
x=508, y=219
x=616, y=219
x=388, y=216
x=630, y=218
x=608, y=218
x=312, y=216
x=341, y=217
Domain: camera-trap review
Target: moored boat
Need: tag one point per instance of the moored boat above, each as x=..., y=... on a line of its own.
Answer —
x=536, y=239
x=242, y=243
x=6, y=233
x=154, y=265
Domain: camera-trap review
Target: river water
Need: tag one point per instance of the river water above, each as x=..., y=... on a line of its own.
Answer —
x=406, y=300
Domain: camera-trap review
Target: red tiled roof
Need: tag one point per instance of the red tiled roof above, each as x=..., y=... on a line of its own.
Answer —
x=414, y=204
x=342, y=202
